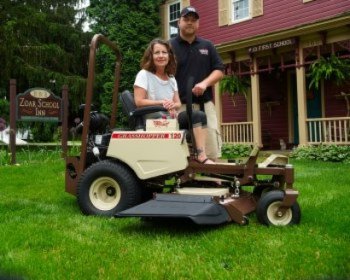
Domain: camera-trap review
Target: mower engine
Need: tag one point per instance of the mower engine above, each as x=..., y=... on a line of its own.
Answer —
x=98, y=137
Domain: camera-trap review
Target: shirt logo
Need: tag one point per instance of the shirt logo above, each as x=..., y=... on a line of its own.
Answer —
x=204, y=51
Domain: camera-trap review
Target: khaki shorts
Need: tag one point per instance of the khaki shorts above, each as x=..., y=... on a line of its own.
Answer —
x=213, y=141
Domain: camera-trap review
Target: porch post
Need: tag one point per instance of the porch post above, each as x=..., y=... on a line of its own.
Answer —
x=249, y=105
x=254, y=77
x=218, y=105
x=301, y=98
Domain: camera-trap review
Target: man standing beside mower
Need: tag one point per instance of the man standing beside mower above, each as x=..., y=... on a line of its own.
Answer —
x=197, y=58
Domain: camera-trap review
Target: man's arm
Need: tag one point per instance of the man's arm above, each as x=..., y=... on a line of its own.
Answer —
x=211, y=80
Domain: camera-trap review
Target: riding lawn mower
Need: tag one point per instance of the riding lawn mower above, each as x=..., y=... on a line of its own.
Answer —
x=150, y=170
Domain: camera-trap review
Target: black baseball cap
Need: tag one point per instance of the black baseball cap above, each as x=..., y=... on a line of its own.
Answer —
x=189, y=10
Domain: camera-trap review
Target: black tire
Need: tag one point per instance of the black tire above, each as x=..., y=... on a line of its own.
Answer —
x=261, y=190
x=245, y=221
x=106, y=188
x=266, y=210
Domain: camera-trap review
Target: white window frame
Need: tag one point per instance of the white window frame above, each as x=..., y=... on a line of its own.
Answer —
x=174, y=19
x=232, y=5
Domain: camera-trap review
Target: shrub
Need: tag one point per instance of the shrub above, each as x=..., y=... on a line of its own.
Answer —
x=231, y=151
x=5, y=156
x=5, y=109
x=43, y=131
x=331, y=153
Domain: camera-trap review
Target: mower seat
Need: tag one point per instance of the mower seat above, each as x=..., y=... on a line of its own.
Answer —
x=128, y=106
x=136, y=115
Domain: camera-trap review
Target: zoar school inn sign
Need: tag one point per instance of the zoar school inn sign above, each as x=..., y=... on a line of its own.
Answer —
x=38, y=104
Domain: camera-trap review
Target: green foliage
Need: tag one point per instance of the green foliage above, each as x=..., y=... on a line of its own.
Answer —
x=43, y=131
x=329, y=68
x=42, y=42
x=31, y=154
x=5, y=109
x=332, y=153
x=230, y=151
x=5, y=156
x=233, y=84
x=131, y=25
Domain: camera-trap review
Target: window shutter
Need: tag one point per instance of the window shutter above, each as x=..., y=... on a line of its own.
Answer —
x=185, y=3
x=257, y=8
x=223, y=12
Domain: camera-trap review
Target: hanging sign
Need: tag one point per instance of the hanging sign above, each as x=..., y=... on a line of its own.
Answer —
x=38, y=104
x=272, y=45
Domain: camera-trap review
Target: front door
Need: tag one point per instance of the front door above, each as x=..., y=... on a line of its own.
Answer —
x=313, y=103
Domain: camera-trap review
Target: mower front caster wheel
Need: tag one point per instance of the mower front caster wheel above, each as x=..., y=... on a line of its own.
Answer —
x=106, y=188
x=268, y=212
x=245, y=221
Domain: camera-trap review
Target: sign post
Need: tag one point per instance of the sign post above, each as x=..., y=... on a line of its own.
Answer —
x=13, y=89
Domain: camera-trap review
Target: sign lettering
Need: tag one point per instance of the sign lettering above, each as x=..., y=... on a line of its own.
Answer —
x=38, y=105
x=272, y=45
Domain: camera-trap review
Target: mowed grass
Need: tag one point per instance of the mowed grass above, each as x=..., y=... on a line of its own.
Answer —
x=44, y=235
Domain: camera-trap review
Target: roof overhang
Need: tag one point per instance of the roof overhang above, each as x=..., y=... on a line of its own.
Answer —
x=335, y=22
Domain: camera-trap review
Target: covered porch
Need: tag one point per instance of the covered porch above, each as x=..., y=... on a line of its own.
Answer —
x=280, y=110
x=327, y=131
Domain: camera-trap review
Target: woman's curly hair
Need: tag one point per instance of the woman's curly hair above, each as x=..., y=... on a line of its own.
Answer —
x=147, y=59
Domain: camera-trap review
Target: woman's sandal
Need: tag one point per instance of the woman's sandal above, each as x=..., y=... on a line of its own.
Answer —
x=204, y=161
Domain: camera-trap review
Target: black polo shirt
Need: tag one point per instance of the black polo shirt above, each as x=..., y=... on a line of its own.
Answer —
x=198, y=60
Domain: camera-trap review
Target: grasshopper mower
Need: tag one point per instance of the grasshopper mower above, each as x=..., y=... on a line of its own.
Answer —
x=150, y=171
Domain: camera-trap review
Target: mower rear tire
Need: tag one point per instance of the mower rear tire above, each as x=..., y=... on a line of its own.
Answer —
x=268, y=214
x=107, y=187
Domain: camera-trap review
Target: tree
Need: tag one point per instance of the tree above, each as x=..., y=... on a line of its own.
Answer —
x=131, y=24
x=42, y=45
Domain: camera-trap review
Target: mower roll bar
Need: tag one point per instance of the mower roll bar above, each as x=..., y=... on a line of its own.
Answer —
x=98, y=38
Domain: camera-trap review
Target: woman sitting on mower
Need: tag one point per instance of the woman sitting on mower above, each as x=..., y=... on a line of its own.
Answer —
x=155, y=85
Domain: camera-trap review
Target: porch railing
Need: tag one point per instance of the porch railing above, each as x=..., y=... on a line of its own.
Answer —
x=237, y=133
x=320, y=131
x=329, y=130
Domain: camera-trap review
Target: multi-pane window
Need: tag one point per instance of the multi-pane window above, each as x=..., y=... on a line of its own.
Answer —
x=235, y=11
x=240, y=9
x=174, y=14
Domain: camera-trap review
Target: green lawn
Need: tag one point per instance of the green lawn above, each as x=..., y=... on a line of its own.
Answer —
x=44, y=236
